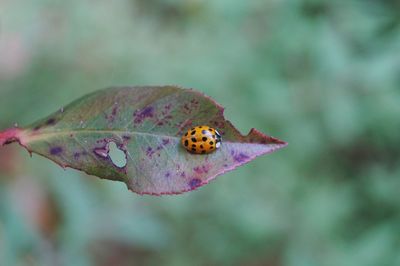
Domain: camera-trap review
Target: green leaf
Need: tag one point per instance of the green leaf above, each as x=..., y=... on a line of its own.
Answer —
x=132, y=134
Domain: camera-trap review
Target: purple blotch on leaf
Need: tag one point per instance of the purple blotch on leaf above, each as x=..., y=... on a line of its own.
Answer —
x=150, y=152
x=240, y=157
x=50, y=121
x=201, y=169
x=143, y=114
x=126, y=137
x=194, y=183
x=56, y=150
x=114, y=111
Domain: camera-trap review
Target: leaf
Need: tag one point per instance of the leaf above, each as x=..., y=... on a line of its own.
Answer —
x=146, y=124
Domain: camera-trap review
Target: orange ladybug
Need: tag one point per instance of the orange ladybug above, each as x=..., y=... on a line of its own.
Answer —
x=201, y=140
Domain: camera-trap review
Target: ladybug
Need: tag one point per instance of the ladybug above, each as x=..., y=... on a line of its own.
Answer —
x=201, y=140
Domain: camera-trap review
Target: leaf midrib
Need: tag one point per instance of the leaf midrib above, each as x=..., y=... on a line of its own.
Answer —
x=29, y=137
x=40, y=136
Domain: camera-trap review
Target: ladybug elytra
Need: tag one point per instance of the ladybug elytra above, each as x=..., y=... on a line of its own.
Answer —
x=201, y=140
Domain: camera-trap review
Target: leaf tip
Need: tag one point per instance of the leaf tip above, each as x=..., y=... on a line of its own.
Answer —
x=256, y=136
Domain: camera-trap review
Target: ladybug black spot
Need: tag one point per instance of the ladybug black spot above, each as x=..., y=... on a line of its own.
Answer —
x=201, y=147
x=186, y=143
x=193, y=132
x=193, y=149
x=194, y=145
x=194, y=140
x=186, y=134
x=203, y=152
x=204, y=138
x=211, y=143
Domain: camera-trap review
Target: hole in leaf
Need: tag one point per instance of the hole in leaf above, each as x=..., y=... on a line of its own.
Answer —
x=117, y=155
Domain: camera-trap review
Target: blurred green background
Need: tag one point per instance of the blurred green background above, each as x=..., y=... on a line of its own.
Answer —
x=322, y=75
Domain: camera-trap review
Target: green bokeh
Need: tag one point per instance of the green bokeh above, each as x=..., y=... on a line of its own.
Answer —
x=322, y=75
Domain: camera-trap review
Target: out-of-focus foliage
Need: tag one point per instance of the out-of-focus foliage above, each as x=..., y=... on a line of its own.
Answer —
x=323, y=75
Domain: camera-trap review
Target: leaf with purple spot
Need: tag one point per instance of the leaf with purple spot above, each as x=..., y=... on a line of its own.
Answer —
x=145, y=124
